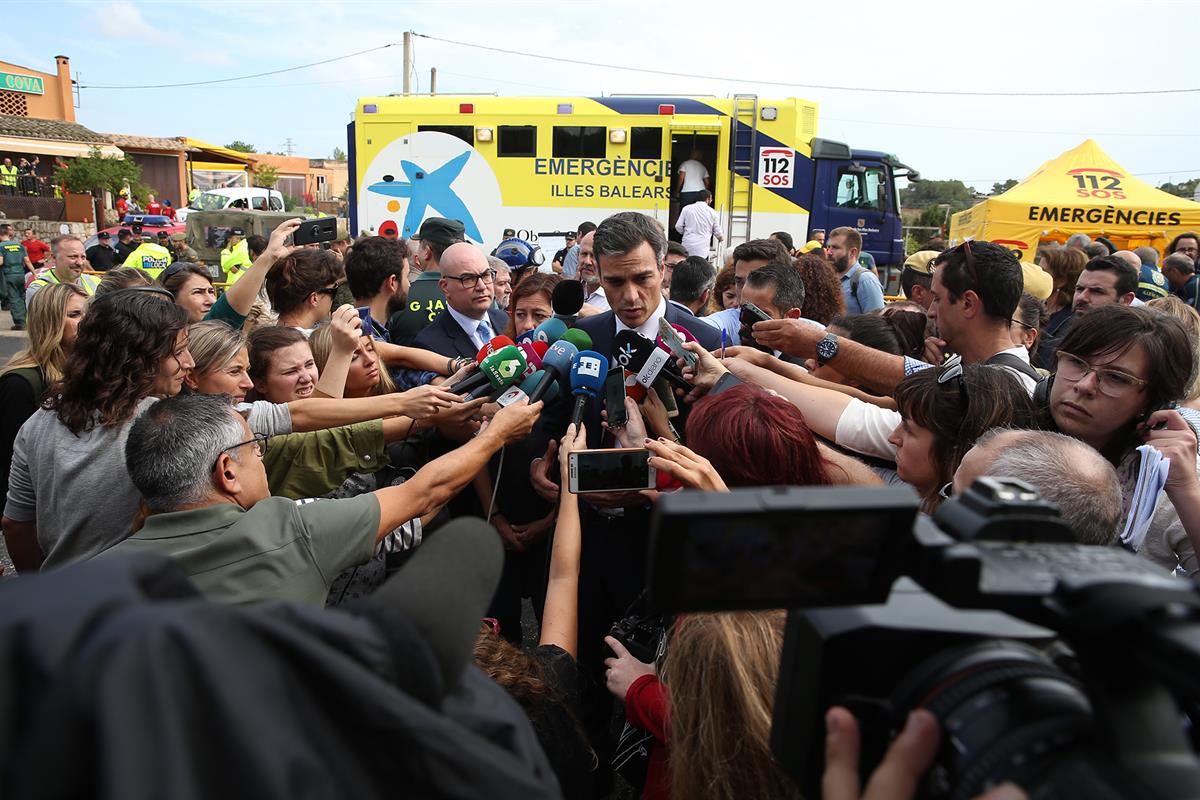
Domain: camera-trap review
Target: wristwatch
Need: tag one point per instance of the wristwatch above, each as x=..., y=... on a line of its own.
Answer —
x=827, y=349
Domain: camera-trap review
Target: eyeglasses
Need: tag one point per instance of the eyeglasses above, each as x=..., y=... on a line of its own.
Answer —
x=1111, y=382
x=259, y=441
x=471, y=280
x=947, y=491
x=1023, y=325
x=968, y=257
x=953, y=370
x=329, y=290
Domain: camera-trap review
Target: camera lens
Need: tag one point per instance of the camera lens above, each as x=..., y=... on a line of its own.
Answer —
x=1006, y=713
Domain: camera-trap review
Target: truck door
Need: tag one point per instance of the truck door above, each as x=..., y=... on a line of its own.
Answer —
x=861, y=200
x=688, y=140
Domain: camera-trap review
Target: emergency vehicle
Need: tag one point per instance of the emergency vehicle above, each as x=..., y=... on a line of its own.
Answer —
x=542, y=165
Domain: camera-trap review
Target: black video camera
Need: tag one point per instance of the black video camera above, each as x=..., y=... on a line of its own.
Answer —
x=1070, y=670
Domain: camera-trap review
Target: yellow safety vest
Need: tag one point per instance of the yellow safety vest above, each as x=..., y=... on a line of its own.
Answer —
x=151, y=257
x=86, y=282
x=236, y=261
x=8, y=176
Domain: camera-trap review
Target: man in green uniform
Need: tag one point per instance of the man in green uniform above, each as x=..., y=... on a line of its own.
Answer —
x=425, y=298
x=240, y=545
x=12, y=276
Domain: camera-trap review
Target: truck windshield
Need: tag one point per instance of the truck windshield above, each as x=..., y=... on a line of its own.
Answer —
x=211, y=201
x=862, y=188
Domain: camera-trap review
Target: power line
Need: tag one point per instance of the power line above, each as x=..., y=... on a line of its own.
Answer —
x=1005, y=131
x=803, y=85
x=244, y=77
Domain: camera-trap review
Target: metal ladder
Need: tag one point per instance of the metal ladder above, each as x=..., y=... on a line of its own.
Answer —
x=743, y=150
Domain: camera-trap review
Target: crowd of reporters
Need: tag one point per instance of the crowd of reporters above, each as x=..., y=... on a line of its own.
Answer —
x=278, y=444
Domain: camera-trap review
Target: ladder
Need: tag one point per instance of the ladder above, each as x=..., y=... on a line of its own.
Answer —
x=743, y=150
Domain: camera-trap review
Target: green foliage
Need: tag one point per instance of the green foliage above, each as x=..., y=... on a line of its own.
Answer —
x=97, y=173
x=1001, y=188
x=338, y=154
x=240, y=146
x=266, y=177
x=925, y=193
x=1185, y=189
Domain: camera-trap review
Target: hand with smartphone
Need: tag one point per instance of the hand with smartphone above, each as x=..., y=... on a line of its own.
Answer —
x=315, y=231
x=614, y=470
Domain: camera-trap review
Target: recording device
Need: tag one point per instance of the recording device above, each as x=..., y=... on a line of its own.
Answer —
x=614, y=470
x=501, y=369
x=514, y=394
x=578, y=338
x=672, y=337
x=588, y=371
x=549, y=332
x=641, y=636
x=662, y=388
x=639, y=355
x=566, y=300
x=614, y=399
x=555, y=364
x=477, y=379
x=1070, y=670
x=313, y=231
x=750, y=315
x=492, y=346
x=533, y=352
x=364, y=314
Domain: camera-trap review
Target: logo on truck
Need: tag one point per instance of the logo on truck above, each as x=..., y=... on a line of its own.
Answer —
x=426, y=189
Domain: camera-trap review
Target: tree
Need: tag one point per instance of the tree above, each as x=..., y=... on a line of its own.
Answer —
x=240, y=146
x=96, y=173
x=927, y=193
x=266, y=177
x=338, y=154
x=1001, y=188
x=1185, y=189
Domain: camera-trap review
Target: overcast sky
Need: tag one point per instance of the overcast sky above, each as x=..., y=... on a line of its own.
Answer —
x=1015, y=46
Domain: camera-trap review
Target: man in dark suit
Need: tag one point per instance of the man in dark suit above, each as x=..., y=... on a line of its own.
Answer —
x=468, y=322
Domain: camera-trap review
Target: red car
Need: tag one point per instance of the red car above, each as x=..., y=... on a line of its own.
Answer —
x=151, y=225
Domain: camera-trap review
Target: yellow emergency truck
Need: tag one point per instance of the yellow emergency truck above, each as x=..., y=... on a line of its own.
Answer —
x=542, y=165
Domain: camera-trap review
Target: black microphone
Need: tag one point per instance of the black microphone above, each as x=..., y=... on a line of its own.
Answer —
x=645, y=359
x=566, y=300
x=444, y=590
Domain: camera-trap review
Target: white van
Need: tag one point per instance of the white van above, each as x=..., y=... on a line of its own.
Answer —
x=254, y=199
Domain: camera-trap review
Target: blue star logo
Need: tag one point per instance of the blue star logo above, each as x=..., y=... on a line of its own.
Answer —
x=430, y=190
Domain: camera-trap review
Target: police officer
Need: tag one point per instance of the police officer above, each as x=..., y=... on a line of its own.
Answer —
x=12, y=279
x=235, y=257
x=151, y=257
x=425, y=298
x=101, y=255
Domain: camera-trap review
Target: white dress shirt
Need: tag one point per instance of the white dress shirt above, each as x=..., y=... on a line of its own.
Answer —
x=698, y=223
x=471, y=326
x=598, y=299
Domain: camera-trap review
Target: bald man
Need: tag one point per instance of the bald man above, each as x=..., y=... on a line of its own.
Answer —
x=468, y=321
x=1065, y=471
x=1151, y=283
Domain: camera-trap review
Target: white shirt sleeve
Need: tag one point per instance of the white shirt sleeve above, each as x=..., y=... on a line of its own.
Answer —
x=269, y=419
x=865, y=428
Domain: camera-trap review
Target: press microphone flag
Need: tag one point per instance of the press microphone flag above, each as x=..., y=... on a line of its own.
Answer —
x=556, y=363
x=588, y=372
x=502, y=368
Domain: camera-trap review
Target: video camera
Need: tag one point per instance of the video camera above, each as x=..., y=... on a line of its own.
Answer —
x=1070, y=670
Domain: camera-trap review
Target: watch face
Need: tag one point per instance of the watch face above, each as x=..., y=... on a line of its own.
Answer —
x=826, y=349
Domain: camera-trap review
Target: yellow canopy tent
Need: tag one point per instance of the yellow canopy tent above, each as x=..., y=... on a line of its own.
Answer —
x=1081, y=191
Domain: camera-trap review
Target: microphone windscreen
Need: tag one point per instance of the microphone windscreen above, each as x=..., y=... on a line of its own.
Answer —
x=531, y=382
x=567, y=298
x=549, y=331
x=495, y=344
x=578, y=338
x=503, y=367
x=588, y=372
x=631, y=350
x=559, y=357
x=533, y=358
x=445, y=588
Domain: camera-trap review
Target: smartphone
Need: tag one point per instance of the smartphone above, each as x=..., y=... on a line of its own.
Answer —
x=666, y=395
x=312, y=231
x=614, y=398
x=617, y=470
x=1170, y=405
x=752, y=314
x=675, y=342
x=364, y=313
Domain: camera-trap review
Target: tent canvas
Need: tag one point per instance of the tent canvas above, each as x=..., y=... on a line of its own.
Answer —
x=1082, y=191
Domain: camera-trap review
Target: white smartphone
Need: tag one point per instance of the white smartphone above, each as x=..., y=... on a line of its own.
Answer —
x=614, y=470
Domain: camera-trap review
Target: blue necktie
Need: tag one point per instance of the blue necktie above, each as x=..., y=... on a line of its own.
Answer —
x=483, y=333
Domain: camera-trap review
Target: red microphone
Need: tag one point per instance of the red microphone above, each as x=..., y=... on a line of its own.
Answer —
x=534, y=351
x=495, y=344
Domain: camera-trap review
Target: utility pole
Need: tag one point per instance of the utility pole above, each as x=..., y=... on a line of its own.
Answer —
x=433, y=80
x=408, y=62
x=290, y=146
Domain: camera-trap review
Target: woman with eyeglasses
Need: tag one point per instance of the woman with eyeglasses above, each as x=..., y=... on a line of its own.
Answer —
x=302, y=286
x=69, y=495
x=1027, y=324
x=1115, y=367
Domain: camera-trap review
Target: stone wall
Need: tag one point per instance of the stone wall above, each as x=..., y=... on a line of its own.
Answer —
x=48, y=229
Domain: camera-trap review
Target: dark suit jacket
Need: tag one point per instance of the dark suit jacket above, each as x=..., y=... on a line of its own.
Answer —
x=603, y=329
x=446, y=337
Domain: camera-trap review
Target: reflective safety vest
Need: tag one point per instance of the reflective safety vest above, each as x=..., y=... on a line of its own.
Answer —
x=8, y=176
x=153, y=258
x=192, y=195
x=236, y=261
x=86, y=282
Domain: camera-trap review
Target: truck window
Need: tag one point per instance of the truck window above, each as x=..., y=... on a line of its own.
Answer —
x=464, y=132
x=863, y=188
x=516, y=141
x=574, y=141
x=645, y=143
x=276, y=203
x=258, y=203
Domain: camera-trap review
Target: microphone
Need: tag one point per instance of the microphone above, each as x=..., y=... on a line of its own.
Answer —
x=515, y=393
x=549, y=332
x=443, y=590
x=556, y=363
x=501, y=369
x=578, y=338
x=477, y=380
x=566, y=300
x=533, y=352
x=640, y=356
x=588, y=372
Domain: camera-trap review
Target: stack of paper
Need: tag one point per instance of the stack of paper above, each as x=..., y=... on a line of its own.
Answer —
x=1152, y=477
